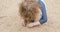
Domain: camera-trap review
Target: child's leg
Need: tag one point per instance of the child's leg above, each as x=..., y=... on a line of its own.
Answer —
x=44, y=15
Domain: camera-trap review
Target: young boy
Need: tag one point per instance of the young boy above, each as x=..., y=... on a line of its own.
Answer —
x=43, y=18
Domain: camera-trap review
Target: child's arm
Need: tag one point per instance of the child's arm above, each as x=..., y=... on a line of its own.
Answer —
x=44, y=15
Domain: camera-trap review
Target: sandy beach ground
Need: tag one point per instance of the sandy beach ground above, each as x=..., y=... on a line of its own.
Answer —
x=10, y=21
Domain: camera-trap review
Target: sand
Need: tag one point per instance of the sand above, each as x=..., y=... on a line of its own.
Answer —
x=10, y=21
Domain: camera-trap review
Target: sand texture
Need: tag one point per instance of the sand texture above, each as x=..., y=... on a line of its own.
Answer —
x=10, y=19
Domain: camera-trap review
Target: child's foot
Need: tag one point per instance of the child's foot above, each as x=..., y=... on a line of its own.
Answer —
x=33, y=24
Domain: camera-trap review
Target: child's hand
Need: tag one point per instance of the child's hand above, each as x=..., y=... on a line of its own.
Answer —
x=22, y=22
x=33, y=24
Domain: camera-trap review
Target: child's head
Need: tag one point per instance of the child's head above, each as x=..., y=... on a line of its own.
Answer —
x=30, y=10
